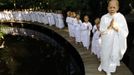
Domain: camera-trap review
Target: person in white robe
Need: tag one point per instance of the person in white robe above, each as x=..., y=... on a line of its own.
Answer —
x=52, y=18
x=86, y=28
x=114, y=32
x=60, y=20
x=68, y=20
x=39, y=17
x=45, y=20
x=56, y=19
x=94, y=29
x=32, y=16
x=49, y=18
x=72, y=27
x=77, y=26
x=96, y=40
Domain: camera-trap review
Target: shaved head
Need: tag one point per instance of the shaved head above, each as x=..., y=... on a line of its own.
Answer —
x=114, y=1
x=113, y=6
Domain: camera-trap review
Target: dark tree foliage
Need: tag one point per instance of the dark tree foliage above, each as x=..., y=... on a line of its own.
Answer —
x=93, y=8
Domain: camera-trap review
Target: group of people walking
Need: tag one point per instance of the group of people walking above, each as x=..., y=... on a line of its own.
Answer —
x=109, y=32
x=45, y=17
x=109, y=36
x=80, y=31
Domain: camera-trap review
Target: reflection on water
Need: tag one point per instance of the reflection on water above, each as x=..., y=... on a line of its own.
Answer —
x=31, y=49
x=27, y=56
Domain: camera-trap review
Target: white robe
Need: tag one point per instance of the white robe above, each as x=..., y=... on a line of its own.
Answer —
x=50, y=19
x=71, y=25
x=56, y=20
x=60, y=21
x=77, y=30
x=45, y=18
x=113, y=44
x=94, y=29
x=96, y=42
x=68, y=20
x=85, y=34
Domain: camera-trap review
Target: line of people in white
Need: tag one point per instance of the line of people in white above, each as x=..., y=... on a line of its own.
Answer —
x=44, y=17
x=80, y=32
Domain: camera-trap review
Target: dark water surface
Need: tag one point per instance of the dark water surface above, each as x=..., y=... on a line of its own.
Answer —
x=28, y=56
x=35, y=50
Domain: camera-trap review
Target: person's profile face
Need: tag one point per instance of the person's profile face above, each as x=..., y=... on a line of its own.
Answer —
x=112, y=7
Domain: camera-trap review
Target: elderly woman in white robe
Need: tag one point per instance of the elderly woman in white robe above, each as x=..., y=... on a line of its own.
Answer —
x=114, y=32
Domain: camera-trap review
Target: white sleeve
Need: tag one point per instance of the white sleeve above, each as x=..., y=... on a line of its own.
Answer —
x=103, y=26
x=123, y=32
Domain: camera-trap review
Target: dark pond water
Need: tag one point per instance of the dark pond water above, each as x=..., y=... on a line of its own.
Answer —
x=35, y=50
x=27, y=56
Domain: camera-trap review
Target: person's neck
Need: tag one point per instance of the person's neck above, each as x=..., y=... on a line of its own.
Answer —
x=78, y=19
x=112, y=13
x=86, y=21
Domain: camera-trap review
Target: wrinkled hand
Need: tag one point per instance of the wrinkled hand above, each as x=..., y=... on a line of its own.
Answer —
x=115, y=28
x=111, y=24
